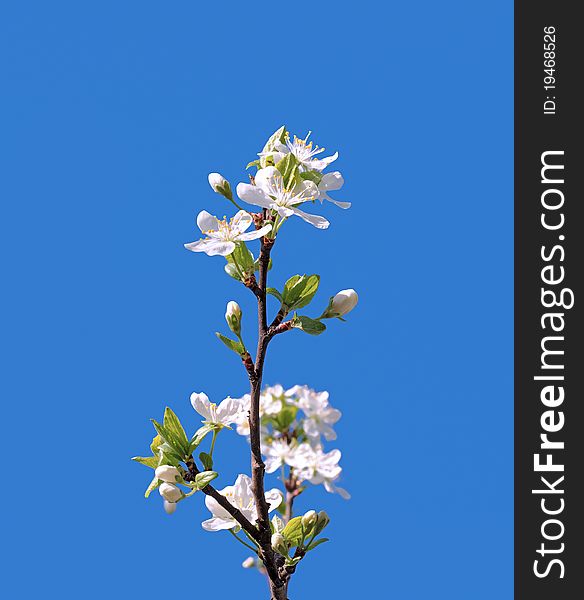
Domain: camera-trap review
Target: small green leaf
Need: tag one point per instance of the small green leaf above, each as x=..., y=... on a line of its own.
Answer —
x=288, y=168
x=308, y=325
x=293, y=532
x=316, y=543
x=206, y=461
x=234, y=345
x=200, y=436
x=149, y=461
x=153, y=485
x=285, y=417
x=299, y=290
x=253, y=163
x=173, y=427
x=274, y=292
x=203, y=478
x=313, y=176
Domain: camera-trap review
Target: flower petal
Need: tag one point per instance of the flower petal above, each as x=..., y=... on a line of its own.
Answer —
x=254, y=235
x=200, y=402
x=273, y=498
x=217, y=524
x=228, y=411
x=240, y=222
x=316, y=220
x=207, y=222
x=211, y=247
x=253, y=195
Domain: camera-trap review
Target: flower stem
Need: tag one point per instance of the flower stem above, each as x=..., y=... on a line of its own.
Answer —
x=254, y=550
x=215, y=432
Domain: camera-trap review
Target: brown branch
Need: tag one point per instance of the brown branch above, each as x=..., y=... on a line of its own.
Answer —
x=209, y=490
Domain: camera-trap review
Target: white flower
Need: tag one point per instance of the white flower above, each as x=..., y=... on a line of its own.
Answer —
x=225, y=414
x=331, y=182
x=269, y=192
x=240, y=495
x=170, y=492
x=304, y=151
x=222, y=235
x=270, y=404
x=169, y=507
x=167, y=473
x=278, y=453
x=314, y=465
x=320, y=415
x=344, y=302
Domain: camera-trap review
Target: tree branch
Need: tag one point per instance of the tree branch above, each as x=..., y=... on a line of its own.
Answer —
x=209, y=490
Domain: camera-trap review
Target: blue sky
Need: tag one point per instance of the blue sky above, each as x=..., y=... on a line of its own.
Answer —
x=113, y=114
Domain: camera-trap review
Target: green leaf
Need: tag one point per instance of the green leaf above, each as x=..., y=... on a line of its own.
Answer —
x=313, y=176
x=234, y=345
x=285, y=417
x=206, y=461
x=279, y=136
x=200, y=436
x=153, y=485
x=203, y=478
x=293, y=532
x=288, y=168
x=244, y=259
x=317, y=543
x=253, y=163
x=149, y=461
x=308, y=325
x=274, y=292
x=156, y=443
x=299, y=290
x=173, y=427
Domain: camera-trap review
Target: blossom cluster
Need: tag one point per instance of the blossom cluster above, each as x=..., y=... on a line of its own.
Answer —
x=295, y=424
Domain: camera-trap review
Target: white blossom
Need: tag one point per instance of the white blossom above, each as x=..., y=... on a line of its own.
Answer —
x=278, y=453
x=218, y=183
x=270, y=192
x=344, y=302
x=169, y=507
x=167, y=473
x=305, y=152
x=224, y=415
x=320, y=415
x=170, y=492
x=319, y=467
x=241, y=496
x=222, y=235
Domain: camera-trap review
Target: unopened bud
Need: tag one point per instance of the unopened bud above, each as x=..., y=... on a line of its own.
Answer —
x=169, y=507
x=249, y=563
x=279, y=544
x=344, y=302
x=220, y=185
x=233, y=317
x=167, y=473
x=309, y=520
x=322, y=521
x=170, y=492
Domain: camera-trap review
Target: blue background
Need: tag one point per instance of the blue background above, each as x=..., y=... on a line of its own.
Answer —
x=113, y=113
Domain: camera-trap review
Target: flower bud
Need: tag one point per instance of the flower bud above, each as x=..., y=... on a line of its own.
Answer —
x=220, y=185
x=309, y=520
x=233, y=317
x=322, y=521
x=249, y=563
x=169, y=507
x=170, y=492
x=279, y=544
x=167, y=473
x=344, y=302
